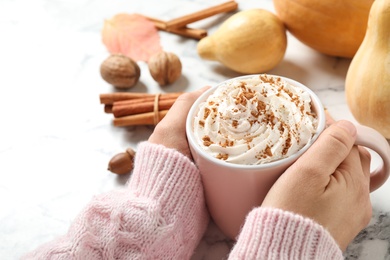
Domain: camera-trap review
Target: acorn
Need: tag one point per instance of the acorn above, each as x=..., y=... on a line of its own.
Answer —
x=122, y=163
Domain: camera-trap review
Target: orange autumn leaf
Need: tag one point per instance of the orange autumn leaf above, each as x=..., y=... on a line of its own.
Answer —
x=132, y=35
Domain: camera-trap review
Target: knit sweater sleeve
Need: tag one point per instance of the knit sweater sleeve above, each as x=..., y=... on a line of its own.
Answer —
x=275, y=234
x=161, y=214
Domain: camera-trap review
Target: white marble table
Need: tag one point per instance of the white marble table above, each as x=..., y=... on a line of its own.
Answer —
x=55, y=140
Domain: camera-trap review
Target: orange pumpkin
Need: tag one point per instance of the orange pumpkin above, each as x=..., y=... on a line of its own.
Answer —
x=332, y=27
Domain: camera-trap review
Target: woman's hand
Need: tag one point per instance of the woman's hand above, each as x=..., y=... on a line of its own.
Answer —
x=171, y=131
x=329, y=184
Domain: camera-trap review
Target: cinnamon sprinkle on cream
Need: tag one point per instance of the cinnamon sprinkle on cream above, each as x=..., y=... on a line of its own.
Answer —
x=268, y=151
x=207, y=112
x=207, y=141
x=222, y=156
x=255, y=120
x=227, y=143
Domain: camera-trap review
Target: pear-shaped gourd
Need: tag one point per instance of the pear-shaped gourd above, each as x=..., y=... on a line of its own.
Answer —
x=250, y=41
x=367, y=83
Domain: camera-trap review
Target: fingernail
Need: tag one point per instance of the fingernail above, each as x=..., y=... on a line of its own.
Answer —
x=347, y=126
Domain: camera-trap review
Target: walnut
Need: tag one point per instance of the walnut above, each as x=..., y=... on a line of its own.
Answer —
x=120, y=71
x=165, y=68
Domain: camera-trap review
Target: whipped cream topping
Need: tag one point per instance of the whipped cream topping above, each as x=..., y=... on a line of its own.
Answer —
x=255, y=120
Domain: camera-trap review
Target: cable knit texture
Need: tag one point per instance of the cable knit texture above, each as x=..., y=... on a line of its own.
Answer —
x=161, y=214
x=275, y=234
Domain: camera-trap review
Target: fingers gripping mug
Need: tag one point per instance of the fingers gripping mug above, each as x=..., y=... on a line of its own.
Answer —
x=249, y=133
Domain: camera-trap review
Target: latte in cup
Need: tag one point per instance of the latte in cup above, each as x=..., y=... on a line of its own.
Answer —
x=245, y=132
x=255, y=120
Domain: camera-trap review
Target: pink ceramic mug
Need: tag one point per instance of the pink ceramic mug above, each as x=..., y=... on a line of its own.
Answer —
x=232, y=190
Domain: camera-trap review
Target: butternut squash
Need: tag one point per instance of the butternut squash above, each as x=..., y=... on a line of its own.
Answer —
x=367, y=85
x=248, y=42
x=332, y=27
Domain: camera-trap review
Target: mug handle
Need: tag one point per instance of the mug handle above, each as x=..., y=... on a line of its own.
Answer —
x=370, y=138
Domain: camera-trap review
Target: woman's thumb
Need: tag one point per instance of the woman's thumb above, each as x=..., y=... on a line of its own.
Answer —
x=330, y=149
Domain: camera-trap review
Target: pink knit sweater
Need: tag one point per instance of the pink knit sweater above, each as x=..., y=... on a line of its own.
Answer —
x=162, y=215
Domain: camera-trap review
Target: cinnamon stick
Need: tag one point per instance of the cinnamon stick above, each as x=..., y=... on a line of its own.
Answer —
x=138, y=108
x=139, y=119
x=182, y=31
x=196, y=34
x=205, y=13
x=110, y=98
x=108, y=109
x=147, y=99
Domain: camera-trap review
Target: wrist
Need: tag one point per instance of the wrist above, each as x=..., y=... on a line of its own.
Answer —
x=165, y=175
x=284, y=235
